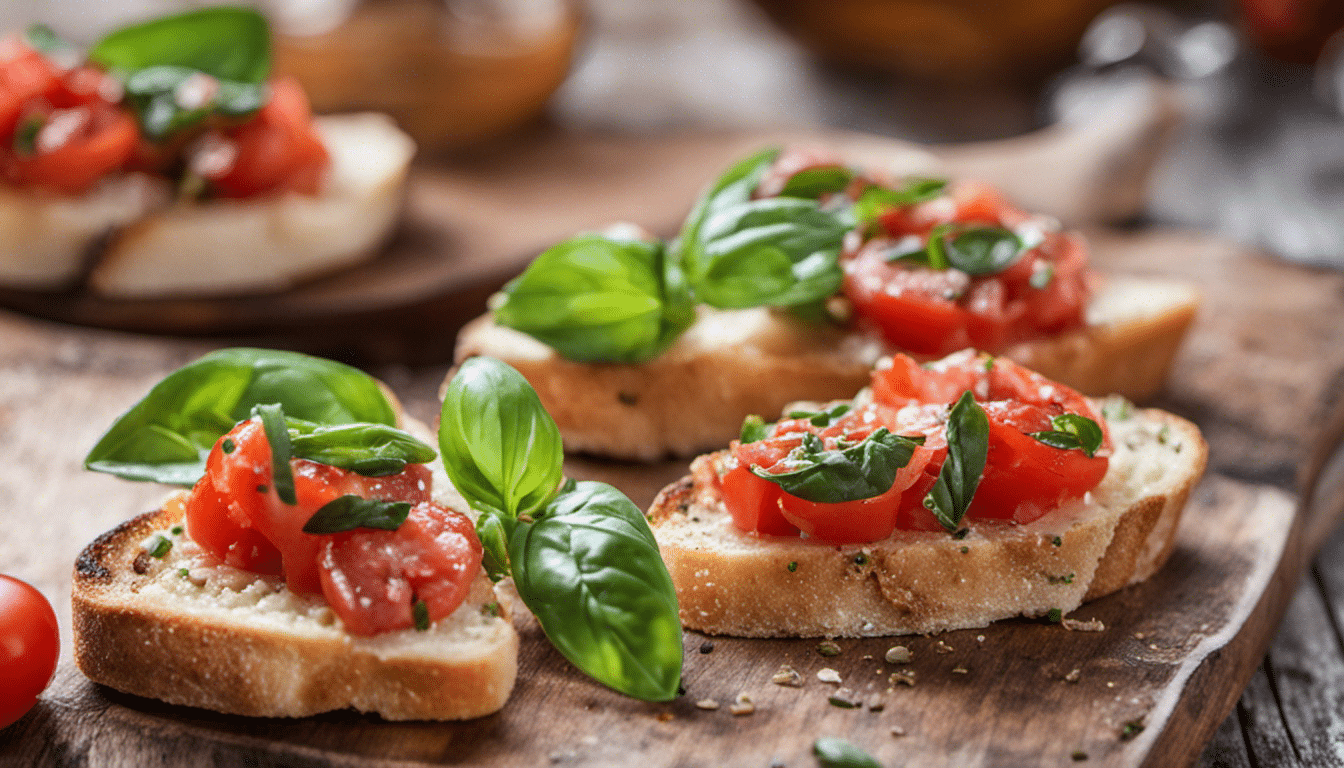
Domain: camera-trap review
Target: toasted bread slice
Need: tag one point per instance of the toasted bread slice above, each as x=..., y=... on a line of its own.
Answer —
x=734, y=363
x=186, y=630
x=734, y=583
x=268, y=244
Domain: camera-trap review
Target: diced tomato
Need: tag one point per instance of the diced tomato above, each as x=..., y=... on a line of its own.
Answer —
x=936, y=312
x=235, y=514
x=790, y=163
x=276, y=151
x=25, y=75
x=1023, y=479
x=372, y=577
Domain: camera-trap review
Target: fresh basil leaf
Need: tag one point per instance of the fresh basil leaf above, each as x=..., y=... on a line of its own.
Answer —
x=348, y=512
x=277, y=435
x=780, y=251
x=153, y=93
x=372, y=450
x=822, y=418
x=1072, y=431
x=44, y=39
x=494, y=528
x=25, y=134
x=753, y=429
x=861, y=471
x=588, y=568
x=838, y=753
x=877, y=200
x=812, y=183
x=967, y=449
x=228, y=43
x=167, y=436
x=982, y=250
x=500, y=446
x=597, y=299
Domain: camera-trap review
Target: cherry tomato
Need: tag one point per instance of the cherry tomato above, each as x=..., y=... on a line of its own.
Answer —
x=29, y=647
x=276, y=151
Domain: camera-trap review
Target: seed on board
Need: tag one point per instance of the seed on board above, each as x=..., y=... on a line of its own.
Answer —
x=828, y=675
x=959, y=670
x=742, y=705
x=787, y=676
x=707, y=704
x=904, y=677
x=1074, y=675
x=828, y=648
x=897, y=731
x=845, y=699
x=942, y=647
x=875, y=703
x=898, y=654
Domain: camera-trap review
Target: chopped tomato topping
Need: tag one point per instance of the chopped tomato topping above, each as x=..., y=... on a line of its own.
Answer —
x=1023, y=479
x=938, y=311
x=276, y=151
x=371, y=578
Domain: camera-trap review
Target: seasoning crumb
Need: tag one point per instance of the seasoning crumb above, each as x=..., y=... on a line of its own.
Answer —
x=875, y=703
x=1091, y=625
x=828, y=648
x=1138, y=635
x=1152, y=646
x=664, y=717
x=898, y=654
x=1079, y=756
x=979, y=638
x=1132, y=728
x=787, y=676
x=707, y=704
x=959, y=670
x=845, y=699
x=707, y=647
x=897, y=731
x=904, y=677
x=867, y=657
x=942, y=647
x=1074, y=675
x=828, y=675
x=742, y=705
x=1110, y=685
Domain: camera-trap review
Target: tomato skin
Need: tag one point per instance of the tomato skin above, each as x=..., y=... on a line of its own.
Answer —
x=25, y=74
x=370, y=577
x=278, y=150
x=29, y=647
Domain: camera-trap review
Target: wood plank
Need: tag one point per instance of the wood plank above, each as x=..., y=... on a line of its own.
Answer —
x=1227, y=748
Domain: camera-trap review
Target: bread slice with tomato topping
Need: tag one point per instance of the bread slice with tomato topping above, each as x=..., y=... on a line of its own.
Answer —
x=154, y=616
x=1014, y=557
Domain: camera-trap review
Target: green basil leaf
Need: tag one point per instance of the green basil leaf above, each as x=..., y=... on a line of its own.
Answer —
x=822, y=418
x=500, y=446
x=277, y=435
x=967, y=449
x=43, y=38
x=735, y=186
x=876, y=200
x=153, y=95
x=812, y=183
x=597, y=299
x=753, y=429
x=346, y=513
x=372, y=450
x=494, y=528
x=838, y=753
x=167, y=436
x=1072, y=431
x=982, y=250
x=589, y=569
x=228, y=43
x=861, y=471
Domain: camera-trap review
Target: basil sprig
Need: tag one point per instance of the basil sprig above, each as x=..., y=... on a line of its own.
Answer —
x=975, y=250
x=348, y=512
x=372, y=450
x=967, y=450
x=231, y=45
x=822, y=418
x=838, y=753
x=860, y=471
x=594, y=298
x=581, y=554
x=1072, y=431
x=167, y=436
x=812, y=183
x=779, y=251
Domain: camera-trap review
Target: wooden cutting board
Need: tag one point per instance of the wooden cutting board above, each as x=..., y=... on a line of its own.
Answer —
x=1259, y=374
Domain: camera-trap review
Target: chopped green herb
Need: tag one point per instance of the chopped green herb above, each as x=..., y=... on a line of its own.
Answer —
x=842, y=702
x=1057, y=541
x=1132, y=728
x=227, y=446
x=348, y=512
x=961, y=533
x=1164, y=434
x=1073, y=431
x=822, y=418
x=420, y=613
x=1065, y=579
x=838, y=753
x=1117, y=408
x=183, y=572
x=25, y=135
x=964, y=550
x=793, y=566
x=753, y=429
x=989, y=363
x=159, y=546
x=1079, y=756
x=1055, y=616
x=828, y=648
x=176, y=530
x=262, y=489
x=490, y=609
x=861, y=559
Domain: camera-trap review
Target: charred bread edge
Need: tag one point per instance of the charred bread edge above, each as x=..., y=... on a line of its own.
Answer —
x=829, y=592
x=154, y=651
